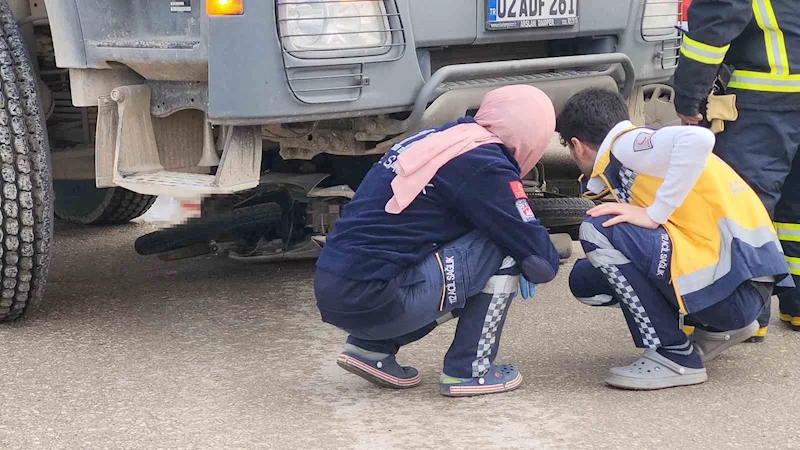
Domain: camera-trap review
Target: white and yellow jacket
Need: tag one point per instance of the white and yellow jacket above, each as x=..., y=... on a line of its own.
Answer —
x=722, y=236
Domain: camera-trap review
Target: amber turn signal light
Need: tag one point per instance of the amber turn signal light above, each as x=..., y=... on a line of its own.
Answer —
x=224, y=7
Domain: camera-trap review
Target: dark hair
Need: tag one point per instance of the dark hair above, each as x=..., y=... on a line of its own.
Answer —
x=589, y=115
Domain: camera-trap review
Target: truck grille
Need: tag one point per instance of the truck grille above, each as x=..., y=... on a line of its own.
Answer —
x=517, y=79
x=463, y=54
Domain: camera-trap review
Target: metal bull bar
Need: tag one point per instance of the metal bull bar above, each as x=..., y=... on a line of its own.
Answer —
x=496, y=68
x=505, y=68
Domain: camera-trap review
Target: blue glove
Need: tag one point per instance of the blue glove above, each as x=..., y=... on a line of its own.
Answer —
x=526, y=289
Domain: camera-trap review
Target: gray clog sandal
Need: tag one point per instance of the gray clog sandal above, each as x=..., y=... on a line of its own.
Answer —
x=710, y=344
x=653, y=371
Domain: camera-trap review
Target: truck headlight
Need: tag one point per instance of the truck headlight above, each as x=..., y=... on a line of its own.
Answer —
x=334, y=28
x=660, y=19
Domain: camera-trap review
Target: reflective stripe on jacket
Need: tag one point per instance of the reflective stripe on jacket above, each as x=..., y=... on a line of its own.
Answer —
x=759, y=38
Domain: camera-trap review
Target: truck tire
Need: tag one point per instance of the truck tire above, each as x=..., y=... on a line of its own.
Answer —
x=81, y=202
x=560, y=212
x=26, y=183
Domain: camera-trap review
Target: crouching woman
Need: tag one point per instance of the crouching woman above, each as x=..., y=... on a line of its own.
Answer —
x=441, y=228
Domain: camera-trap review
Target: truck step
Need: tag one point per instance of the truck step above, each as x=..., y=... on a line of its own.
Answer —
x=179, y=184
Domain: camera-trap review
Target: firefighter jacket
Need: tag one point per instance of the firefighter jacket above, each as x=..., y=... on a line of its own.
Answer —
x=721, y=234
x=760, y=39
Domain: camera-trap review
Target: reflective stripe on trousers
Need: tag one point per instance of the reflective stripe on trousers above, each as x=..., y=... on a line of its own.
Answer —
x=606, y=258
x=790, y=233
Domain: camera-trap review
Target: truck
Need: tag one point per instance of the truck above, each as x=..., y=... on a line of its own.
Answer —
x=273, y=111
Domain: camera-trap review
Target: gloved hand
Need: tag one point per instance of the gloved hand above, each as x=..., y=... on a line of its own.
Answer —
x=526, y=289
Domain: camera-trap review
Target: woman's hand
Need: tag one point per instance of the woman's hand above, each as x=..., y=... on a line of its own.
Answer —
x=526, y=289
x=624, y=212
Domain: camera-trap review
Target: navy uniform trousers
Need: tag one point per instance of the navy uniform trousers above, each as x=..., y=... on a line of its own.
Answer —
x=470, y=278
x=628, y=266
x=761, y=147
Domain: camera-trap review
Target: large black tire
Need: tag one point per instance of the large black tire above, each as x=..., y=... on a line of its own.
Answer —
x=560, y=212
x=27, y=208
x=81, y=202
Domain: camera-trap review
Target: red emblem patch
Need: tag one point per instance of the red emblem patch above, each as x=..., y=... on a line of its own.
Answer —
x=518, y=190
x=643, y=142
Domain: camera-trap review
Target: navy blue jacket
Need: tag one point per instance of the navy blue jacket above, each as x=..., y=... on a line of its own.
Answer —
x=479, y=189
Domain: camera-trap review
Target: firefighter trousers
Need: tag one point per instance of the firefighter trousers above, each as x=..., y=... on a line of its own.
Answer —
x=761, y=147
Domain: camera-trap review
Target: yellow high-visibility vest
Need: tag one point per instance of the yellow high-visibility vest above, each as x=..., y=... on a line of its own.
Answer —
x=721, y=234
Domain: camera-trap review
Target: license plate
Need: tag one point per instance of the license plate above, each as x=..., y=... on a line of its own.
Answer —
x=511, y=14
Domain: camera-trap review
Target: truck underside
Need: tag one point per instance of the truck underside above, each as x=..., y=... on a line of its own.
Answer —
x=274, y=114
x=190, y=132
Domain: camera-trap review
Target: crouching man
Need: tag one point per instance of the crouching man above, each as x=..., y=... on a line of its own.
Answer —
x=441, y=227
x=686, y=239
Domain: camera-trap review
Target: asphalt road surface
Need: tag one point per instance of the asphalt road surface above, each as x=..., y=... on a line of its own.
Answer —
x=133, y=352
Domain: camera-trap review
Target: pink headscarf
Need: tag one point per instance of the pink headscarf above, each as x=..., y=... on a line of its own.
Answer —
x=521, y=117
